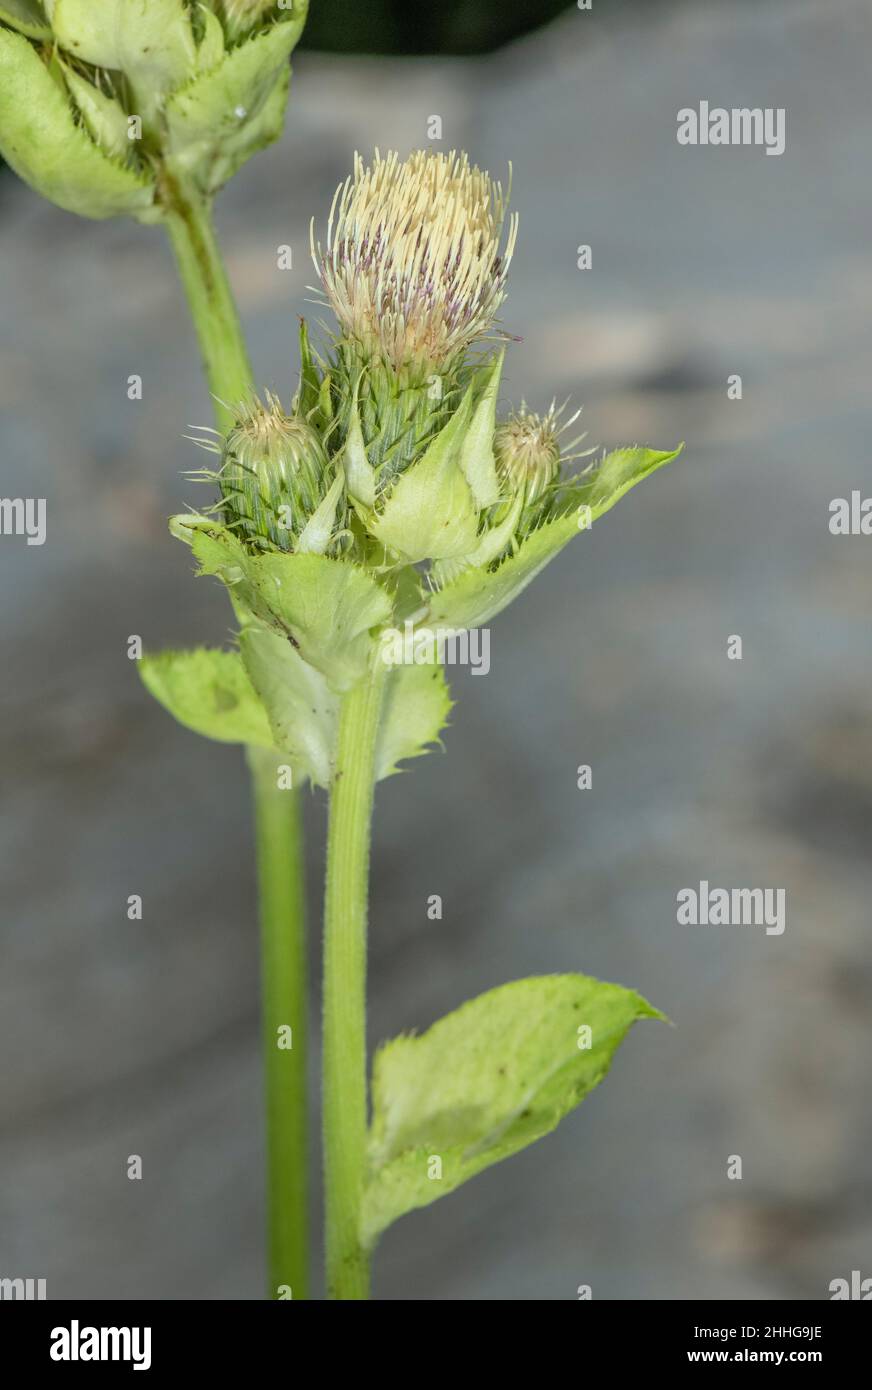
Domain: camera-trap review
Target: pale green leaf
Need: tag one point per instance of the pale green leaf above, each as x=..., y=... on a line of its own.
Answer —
x=27, y=16
x=416, y=705
x=223, y=116
x=478, y=595
x=40, y=140
x=150, y=41
x=103, y=115
x=208, y=691
x=484, y=1082
x=430, y=513
x=359, y=472
x=326, y=607
x=303, y=712
x=210, y=49
x=477, y=461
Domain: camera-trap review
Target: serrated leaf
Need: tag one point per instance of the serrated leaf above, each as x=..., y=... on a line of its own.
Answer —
x=210, y=49
x=208, y=691
x=105, y=118
x=303, y=711
x=27, y=16
x=478, y=595
x=222, y=117
x=327, y=607
x=416, y=705
x=484, y=1082
x=40, y=140
x=430, y=513
x=477, y=462
x=150, y=41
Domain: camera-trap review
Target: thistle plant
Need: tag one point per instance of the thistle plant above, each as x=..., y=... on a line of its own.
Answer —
x=145, y=108
x=394, y=493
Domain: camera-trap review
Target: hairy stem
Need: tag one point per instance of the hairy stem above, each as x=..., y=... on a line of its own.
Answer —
x=345, y=917
x=278, y=819
x=283, y=967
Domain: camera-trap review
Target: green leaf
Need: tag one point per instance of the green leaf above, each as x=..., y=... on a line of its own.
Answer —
x=222, y=117
x=430, y=513
x=27, y=16
x=306, y=400
x=359, y=472
x=40, y=140
x=325, y=607
x=208, y=691
x=484, y=1082
x=150, y=41
x=105, y=118
x=417, y=702
x=303, y=711
x=210, y=49
x=477, y=461
x=477, y=595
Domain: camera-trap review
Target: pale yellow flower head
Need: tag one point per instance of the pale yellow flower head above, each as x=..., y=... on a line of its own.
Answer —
x=414, y=267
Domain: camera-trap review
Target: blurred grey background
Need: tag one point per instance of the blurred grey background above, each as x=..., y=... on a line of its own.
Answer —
x=122, y=1037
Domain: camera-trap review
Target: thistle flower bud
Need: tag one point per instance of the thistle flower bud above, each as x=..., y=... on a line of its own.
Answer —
x=527, y=453
x=277, y=489
x=413, y=267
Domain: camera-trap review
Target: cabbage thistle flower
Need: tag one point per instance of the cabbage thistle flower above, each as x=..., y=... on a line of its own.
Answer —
x=414, y=269
x=106, y=108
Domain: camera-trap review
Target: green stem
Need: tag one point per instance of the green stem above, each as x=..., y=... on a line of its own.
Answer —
x=283, y=966
x=279, y=830
x=189, y=224
x=345, y=912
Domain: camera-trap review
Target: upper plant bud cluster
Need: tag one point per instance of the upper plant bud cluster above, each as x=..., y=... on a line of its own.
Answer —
x=135, y=96
x=390, y=472
x=391, y=495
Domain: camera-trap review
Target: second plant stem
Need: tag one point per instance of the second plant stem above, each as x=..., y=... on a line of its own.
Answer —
x=278, y=820
x=345, y=922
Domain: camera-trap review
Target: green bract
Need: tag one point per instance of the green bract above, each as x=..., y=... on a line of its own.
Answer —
x=106, y=108
x=314, y=597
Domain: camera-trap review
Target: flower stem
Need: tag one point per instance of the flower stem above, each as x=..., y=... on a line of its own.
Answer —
x=345, y=914
x=189, y=225
x=283, y=966
x=278, y=821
